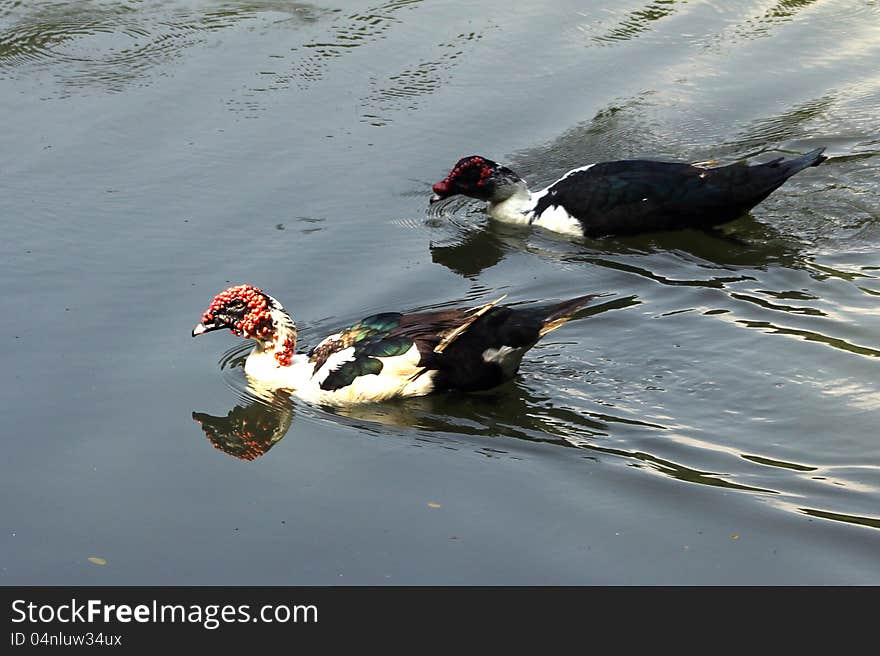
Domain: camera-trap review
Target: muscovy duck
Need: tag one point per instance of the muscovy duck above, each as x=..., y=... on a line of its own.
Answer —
x=384, y=355
x=623, y=197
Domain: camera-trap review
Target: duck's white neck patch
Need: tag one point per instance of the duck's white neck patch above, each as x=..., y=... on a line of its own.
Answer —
x=282, y=344
x=513, y=209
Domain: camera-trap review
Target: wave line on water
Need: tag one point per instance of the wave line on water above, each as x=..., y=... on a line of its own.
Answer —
x=811, y=336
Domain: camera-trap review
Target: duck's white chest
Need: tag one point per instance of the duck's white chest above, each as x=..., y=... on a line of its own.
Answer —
x=513, y=210
x=265, y=368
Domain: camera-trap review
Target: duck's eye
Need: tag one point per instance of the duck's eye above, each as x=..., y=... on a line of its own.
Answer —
x=236, y=305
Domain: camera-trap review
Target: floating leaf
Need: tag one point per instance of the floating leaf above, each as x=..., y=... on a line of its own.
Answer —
x=433, y=505
x=97, y=561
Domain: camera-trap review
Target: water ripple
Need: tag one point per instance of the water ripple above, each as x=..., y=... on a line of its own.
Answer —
x=401, y=91
x=346, y=34
x=631, y=25
x=868, y=522
x=87, y=44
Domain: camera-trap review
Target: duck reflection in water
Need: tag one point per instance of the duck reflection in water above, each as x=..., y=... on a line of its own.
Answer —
x=249, y=429
x=468, y=250
x=254, y=426
x=457, y=421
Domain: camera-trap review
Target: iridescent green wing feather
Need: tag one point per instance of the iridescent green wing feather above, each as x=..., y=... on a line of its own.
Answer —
x=372, y=338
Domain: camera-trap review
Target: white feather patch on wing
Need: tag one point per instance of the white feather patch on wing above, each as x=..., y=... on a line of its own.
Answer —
x=497, y=355
x=506, y=357
x=577, y=170
x=557, y=219
x=333, y=363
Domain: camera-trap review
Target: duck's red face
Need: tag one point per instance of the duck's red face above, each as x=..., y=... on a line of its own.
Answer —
x=243, y=309
x=472, y=176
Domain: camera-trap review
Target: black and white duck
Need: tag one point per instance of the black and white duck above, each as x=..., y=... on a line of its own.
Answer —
x=623, y=197
x=385, y=355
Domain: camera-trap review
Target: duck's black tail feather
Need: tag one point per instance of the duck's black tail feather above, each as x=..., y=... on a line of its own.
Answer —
x=791, y=166
x=763, y=179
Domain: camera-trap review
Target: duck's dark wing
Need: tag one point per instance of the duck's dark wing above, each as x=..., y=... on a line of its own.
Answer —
x=381, y=336
x=470, y=349
x=637, y=195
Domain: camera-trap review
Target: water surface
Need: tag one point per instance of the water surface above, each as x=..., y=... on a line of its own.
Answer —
x=711, y=420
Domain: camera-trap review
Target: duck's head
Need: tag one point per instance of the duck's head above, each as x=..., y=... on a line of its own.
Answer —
x=479, y=178
x=249, y=312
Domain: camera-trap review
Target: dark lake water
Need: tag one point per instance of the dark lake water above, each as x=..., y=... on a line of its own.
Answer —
x=712, y=420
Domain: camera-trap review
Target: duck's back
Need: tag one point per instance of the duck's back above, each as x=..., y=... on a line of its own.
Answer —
x=631, y=196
